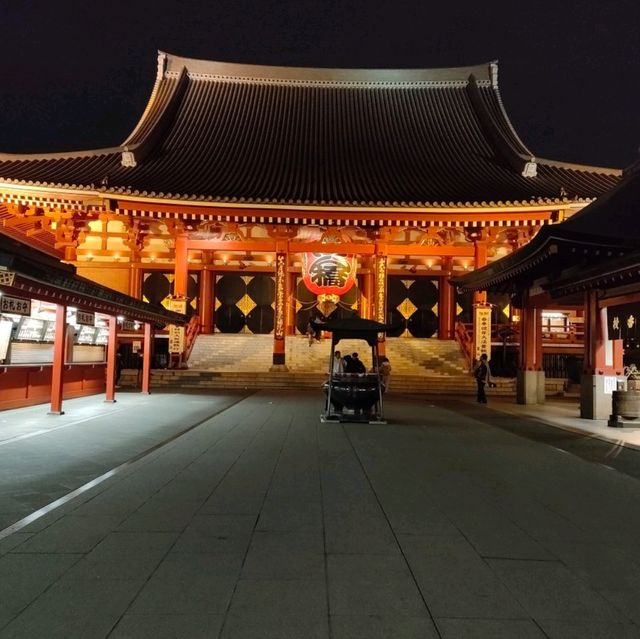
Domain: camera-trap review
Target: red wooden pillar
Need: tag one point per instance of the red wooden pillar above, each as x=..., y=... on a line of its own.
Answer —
x=480, y=260
x=135, y=281
x=367, y=295
x=531, y=339
x=181, y=267
x=206, y=300
x=530, y=388
x=446, y=302
x=280, y=324
x=111, y=360
x=594, y=346
x=57, y=370
x=146, y=358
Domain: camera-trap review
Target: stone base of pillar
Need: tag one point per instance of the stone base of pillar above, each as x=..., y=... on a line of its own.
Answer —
x=530, y=387
x=279, y=368
x=594, y=402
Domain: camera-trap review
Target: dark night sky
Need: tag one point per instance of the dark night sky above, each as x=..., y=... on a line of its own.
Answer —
x=76, y=74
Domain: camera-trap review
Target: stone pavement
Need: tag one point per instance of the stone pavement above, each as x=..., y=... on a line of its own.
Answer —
x=262, y=522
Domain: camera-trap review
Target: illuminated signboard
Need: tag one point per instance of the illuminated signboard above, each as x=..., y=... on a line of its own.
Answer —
x=15, y=305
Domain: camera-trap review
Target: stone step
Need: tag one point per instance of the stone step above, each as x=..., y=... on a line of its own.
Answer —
x=254, y=352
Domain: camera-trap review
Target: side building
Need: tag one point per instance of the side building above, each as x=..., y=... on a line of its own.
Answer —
x=257, y=197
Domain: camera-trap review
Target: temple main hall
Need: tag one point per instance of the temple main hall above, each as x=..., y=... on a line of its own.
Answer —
x=254, y=199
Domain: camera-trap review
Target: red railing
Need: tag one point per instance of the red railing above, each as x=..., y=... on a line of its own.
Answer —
x=465, y=339
x=191, y=331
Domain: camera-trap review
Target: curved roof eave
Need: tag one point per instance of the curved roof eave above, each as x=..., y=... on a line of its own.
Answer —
x=84, y=191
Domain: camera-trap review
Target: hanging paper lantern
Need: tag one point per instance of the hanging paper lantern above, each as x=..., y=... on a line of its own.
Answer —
x=329, y=273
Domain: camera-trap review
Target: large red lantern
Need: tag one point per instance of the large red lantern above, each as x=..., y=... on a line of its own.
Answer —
x=329, y=273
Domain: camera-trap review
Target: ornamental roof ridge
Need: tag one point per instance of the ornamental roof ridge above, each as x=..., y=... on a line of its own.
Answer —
x=169, y=65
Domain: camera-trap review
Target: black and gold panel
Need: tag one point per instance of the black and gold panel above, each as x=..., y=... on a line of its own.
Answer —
x=157, y=288
x=244, y=303
x=307, y=305
x=412, y=306
x=500, y=307
x=464, y=307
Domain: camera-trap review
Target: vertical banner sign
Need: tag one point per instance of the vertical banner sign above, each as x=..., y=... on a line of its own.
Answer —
x=176, y=333
x=281, y=275
x=482, y=331
x=381, y=292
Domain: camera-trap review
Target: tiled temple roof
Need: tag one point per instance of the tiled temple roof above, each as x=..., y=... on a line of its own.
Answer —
x=219, y=132
x=602, y=238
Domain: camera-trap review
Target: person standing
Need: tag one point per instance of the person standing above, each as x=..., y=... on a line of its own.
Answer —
x=385, y=371
x=337, y=367
x=482, y=373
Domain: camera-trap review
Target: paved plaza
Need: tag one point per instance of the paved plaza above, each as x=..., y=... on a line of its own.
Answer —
x=242, y=516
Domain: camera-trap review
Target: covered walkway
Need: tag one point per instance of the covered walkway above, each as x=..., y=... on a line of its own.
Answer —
x=248, y=518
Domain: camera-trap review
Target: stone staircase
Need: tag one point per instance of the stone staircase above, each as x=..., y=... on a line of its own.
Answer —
x=419, y=366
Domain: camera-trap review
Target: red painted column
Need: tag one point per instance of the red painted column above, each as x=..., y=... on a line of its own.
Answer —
x=111, y=360
x=206, y=300
x=57, y=371
x=594, y=349
x=531, y=339
x=479, y=260
x=181, y=267
x=146, y=358
x=135, y=282
x=446, y=302
x=367, y=295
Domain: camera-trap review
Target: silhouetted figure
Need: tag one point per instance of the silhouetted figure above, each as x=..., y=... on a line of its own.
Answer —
x=482, y=373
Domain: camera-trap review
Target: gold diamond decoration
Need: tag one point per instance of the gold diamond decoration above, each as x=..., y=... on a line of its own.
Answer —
x=407, y=308
x=434, y=308
x=218, y=304
x=459, y=309
x=506, y=310
x=407, y=283
x=246, y=305
x=247, y=278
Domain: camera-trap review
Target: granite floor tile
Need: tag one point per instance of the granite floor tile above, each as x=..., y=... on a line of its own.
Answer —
x=217, y=534
x=189, y=584
x=23, y=577
x=122, y=543
x=577, y=629
x=71, y=534
x=258, y=599
x=456, y=582
x=283, y=565
x=268, y=626
x=363, y=585
x=381, y=626
x=72, y=608
x=548, y=590
x=489, y=629
x=164, y=626
x=13, y=541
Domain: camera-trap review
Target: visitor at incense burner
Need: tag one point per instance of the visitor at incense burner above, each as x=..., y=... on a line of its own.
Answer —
x=354, y=365
x=384, y=366
x=337, y=367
